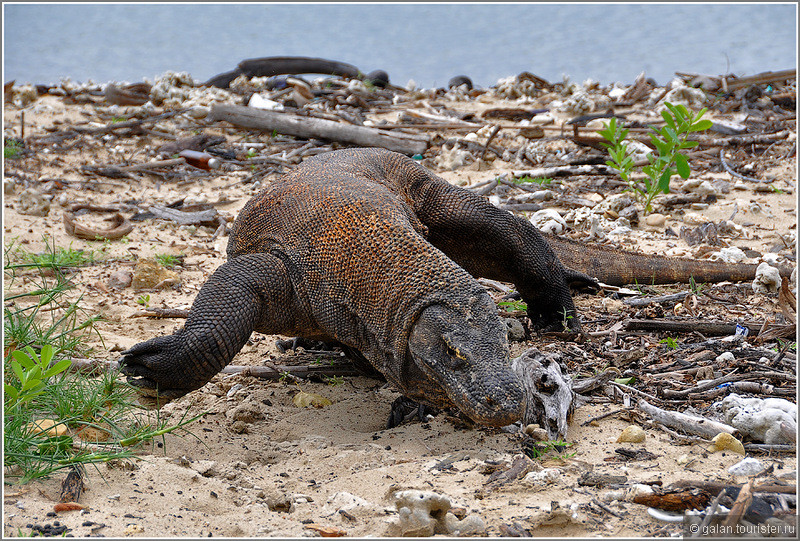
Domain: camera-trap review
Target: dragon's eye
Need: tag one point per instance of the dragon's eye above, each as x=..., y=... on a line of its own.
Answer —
x=455, y=357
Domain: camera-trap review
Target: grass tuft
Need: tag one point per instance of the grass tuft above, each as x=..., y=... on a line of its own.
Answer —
x=54, y=417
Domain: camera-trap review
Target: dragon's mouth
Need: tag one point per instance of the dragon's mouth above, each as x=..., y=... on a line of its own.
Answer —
x=463, y=352
x=493, y=407
x=500, y=404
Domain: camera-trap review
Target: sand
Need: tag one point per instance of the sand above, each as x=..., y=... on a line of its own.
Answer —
x=256, y=464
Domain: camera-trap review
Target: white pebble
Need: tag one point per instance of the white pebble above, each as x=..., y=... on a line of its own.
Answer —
x=767, y=280
x=746, y=467
x=730, y=255
x=549, y=221
x=725, y=357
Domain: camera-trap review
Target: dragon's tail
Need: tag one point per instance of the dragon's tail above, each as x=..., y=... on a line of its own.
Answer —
x=618, y=267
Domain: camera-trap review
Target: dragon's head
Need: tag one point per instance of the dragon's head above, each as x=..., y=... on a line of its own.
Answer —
x=464, y=349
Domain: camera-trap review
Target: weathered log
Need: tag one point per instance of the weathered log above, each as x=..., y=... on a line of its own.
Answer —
x=300, y=371
x=675, y=500
x=550, y=398
x=688, y=423
x=741, y=82
x=283, y=65
x=711, y=328
x=715, y=487
x=307, y=127
x=182, y=217
x=119, y=228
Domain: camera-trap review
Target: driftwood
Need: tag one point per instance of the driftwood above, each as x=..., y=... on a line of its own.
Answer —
x=758, y=376
x=675, y=297
x=734, y=173
x=520, y=466
x=587, y=385
x=729, y=84
x=283, y=65
x=299, y=371
x=715, y=487
x=688, y=423
x=564, y=170
x=120, y=225
x=182, y=217
x=675, y=499
x=309, y=127
x=740, y=506
x=115, y=126
x=759, y=138
x=713, y=328
x=133, y=94
x=550, y=398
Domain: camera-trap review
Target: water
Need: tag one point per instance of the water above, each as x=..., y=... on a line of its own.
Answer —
x=425, y=43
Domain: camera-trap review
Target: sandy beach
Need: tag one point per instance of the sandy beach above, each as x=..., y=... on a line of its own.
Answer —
x=257, y=465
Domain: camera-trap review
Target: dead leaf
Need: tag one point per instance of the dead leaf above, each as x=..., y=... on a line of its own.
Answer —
x=327, y=531
x=303, y=399
x=67, y=506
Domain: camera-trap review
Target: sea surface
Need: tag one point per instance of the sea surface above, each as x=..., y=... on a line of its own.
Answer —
x=424, y=43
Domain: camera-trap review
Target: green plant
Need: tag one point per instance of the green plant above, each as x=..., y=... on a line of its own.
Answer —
x=668, y=141
x=168, y=260
x=513, y=305
x=618, y=150
x=12, y=149
x=144, y=300
x=694, y=286
x=76, y=420
x=45, y=406
x=33, y=372
x=527, y=179
x=539, y=449
x=333, y=380
x=670, y=342
x=319, y=361
x=55, y=257
x=565, y=317
x=45, y=313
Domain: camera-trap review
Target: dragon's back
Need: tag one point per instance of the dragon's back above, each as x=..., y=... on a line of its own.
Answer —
x=354, y=248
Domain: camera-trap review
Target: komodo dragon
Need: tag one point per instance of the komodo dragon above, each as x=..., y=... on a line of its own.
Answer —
x=368, y=248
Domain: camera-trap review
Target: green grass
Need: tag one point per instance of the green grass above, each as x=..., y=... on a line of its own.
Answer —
x=527, y=179
x=540, y=449
x=333, y=380
x=45, y=328
x=513, y=305
x=169, y=261
x=45, y=311
x=12, y=149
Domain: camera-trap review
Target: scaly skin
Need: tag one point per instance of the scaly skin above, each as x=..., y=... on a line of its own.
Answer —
x=368, y=248
x=618, y=267
x=338, y=250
